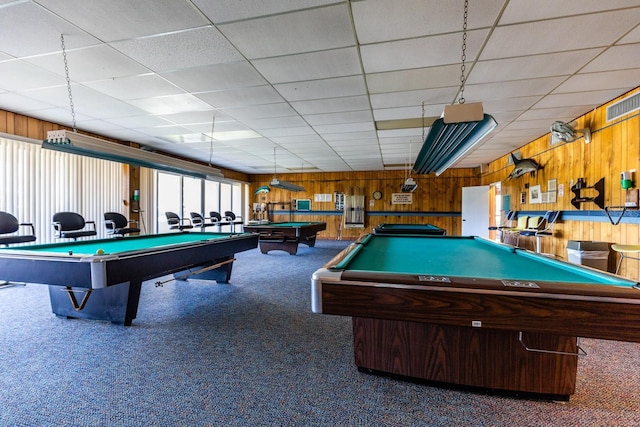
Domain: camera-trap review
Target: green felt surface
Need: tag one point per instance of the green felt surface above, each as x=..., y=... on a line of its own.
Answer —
x=113, y=245
x=284, y=224
x=409, y=226
x=464, y=257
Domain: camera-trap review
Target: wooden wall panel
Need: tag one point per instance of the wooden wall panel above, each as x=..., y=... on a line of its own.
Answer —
x=615, y=147
x=437, y=200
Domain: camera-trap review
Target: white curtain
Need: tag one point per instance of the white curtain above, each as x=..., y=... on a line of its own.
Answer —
x=37, y=183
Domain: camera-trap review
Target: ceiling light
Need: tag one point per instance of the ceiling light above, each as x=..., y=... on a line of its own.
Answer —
x=447, y=143
x=283, y=185
x=84, y=145
x=460, y=129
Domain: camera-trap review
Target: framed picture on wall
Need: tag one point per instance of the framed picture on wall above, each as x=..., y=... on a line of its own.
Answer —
x=523, y=197
x=551, y=185
x=535, y=195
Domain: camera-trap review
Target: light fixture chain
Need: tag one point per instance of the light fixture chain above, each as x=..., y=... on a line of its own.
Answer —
x=66, y=71
x=464, y=52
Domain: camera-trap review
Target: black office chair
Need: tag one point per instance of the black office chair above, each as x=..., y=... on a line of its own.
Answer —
x=217, y=218
x=118, y=225
x=71, y=225
x=203, y=222
x=233, y=220
x=10, y=230
x=177, y=223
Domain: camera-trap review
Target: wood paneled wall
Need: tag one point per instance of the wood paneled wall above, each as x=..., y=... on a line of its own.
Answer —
x=437, y=200
x=614, y=147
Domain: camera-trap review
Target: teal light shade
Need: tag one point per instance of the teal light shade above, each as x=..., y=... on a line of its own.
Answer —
x=262, y=190
x=445, y=143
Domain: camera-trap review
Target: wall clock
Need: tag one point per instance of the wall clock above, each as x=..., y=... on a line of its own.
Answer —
x=377, y=195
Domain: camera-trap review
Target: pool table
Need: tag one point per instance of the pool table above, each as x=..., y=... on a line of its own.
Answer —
x=427, y=229
x=85, y=283
x=473, y=312
x=285, y=236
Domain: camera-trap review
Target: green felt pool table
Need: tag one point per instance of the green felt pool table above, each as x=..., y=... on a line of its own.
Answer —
x=285, y=236
x=472, y=312
x=85, y=283
x=426, y=229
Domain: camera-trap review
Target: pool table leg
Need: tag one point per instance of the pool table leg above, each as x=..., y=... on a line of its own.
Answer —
x=290, y=246
x=117, y=304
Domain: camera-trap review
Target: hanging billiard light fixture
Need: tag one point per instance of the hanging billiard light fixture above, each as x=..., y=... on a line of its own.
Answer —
x=461, y=127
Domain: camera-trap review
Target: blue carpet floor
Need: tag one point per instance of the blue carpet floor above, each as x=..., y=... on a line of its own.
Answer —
x=251, y=353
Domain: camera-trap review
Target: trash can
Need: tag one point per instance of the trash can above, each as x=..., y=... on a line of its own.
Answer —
x=591, y=254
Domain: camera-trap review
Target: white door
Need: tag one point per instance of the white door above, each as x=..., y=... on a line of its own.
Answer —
x=475, y=211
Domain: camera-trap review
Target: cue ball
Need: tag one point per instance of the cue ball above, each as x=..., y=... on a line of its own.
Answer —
x=100, y=252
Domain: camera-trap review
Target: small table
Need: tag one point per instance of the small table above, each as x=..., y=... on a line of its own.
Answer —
x=472, y=312
x=425, y=229
x=286, y=236
x=88, y=285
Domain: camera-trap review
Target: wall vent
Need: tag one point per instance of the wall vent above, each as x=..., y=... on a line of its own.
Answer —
x=624, y=106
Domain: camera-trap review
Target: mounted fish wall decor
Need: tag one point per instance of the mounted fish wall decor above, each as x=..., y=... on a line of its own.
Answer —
x=523, y=166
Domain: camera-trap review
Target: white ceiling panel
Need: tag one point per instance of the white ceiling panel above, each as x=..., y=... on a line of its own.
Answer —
x=123, y=19
x=184, y=49
x=312, y=76
x=310, y=66
x=305, y=31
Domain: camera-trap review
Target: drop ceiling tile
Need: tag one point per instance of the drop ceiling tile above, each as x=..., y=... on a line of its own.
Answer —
x=632, y=37
x=305, y=31
x=135, y=87
x=522, y=10
x=319, y=89
x=332, y=105
x=576, y=32
x=511, y=104
x=344, y=117
x=252, y=112
x=184, y=49
x=438, y=96
x=616, y=57
x=232, y=10
x=275, y=123
x=198, y=117
x=21, y=104
x=310, y=66
x=28, y=29
x=124, y=19
x=170, y=104
x=90, y=63
x=531, y=67
x=288, y=132
x=59, y=95
x=139, y=121
x=254, y=95
x=588, y=99
x=383, y=20
x=411, y=112
x=20, y=75
x=306, y=140
x=216, y=77
x=332, y=137
x=553, y=114
x=512, y=89
x=623, y=80
x=421, y=78
x=421, y=52
x=231, y=126
x=344, y=127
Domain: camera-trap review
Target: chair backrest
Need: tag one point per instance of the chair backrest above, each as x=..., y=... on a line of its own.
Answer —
x=197, y=219
x=8, y=223
x=69, y=221
x=230, y=215
x=535, y=222
x=215, y=216
x=118, y=220
x=172, y=218
x=522, y=222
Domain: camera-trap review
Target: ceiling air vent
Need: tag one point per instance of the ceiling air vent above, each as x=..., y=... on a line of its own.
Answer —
x=624, y=106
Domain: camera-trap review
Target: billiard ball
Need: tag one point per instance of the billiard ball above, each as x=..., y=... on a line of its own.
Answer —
x=100, y=252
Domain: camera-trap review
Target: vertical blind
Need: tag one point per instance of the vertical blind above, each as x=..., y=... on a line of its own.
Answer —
x=37, y=183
